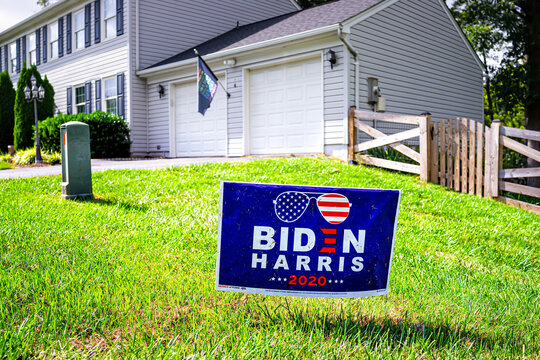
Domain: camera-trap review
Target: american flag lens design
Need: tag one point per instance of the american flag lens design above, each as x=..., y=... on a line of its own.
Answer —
x=291, y=205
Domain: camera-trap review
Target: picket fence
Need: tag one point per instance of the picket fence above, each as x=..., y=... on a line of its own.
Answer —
x=460, y=154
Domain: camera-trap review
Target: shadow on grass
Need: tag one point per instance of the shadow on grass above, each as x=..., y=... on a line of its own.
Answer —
x=401, y=333
x=116, y=203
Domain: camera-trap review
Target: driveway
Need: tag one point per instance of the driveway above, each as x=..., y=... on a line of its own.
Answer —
x=102, y=165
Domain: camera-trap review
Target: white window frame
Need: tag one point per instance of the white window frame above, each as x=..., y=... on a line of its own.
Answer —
x=12, y=58
x=52, y=43
x=81, y=30
x=32, y=50
x=77, y=104
x=104, y=92
x=104, y=22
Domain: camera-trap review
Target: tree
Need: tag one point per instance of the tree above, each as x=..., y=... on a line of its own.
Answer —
x=7, y=101
x=305, y=4
x=43, y=3
x=513, y=26
x=23, y=132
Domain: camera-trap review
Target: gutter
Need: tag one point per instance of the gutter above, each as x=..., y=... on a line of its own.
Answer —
x=356, y=65
x=235, y=51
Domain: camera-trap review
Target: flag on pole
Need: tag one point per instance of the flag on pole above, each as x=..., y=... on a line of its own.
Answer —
x=207, y=84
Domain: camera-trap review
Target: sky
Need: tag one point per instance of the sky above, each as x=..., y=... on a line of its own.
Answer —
x=14, y=11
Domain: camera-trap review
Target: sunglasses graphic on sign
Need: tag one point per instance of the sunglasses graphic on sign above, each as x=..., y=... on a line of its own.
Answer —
x=291, y=205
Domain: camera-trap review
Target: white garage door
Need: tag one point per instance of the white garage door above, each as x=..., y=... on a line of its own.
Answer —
x=198, y=135
x=286, y=108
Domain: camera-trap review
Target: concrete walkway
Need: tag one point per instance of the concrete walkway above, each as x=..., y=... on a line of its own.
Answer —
x=102, y=165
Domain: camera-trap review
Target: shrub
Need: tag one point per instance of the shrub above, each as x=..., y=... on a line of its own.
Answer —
x=23, y=131
x=28, y=157
x=5, y=157
x=7, y=102
x=109, y=134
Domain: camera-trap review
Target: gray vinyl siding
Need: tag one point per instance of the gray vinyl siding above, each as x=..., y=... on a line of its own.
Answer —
x=421, y=61
x=168, y=27
x=158, y=118
x=235, y=110
x=335, y=109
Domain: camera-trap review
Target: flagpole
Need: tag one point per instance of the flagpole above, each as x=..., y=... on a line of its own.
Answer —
x=219, y=82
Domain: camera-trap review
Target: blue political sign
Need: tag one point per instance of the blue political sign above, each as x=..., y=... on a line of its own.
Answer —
x=305, y=240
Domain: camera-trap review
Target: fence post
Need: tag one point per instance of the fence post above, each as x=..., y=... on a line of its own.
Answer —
x=494, y=158
x=425, y=146
x=352, y=134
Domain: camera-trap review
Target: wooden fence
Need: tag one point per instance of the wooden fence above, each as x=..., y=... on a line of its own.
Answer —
x=460, y=154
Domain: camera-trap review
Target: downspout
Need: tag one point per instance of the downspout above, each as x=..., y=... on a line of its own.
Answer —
x=356, y=65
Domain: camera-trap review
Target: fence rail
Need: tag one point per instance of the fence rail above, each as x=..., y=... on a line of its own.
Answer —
x=460, y=154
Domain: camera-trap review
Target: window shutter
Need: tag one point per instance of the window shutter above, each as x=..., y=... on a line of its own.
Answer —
x=88, y=97
x=38, y=47
x=98, y=95
x=97, y=21
x=44, y=42
x=61, y=37
x=18, y=49
x=120, y=94
x=6, y=57
x=69, y=111
x=68, y=34
x=1, y=59
x=23, y=50
x=87, y=27
x=119, y=17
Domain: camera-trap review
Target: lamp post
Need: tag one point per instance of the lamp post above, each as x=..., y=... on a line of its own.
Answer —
x=35, y=94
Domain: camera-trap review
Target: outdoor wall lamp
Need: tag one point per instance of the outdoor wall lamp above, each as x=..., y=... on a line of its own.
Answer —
x=161, y=91
x=331, y=58
x=35, y=94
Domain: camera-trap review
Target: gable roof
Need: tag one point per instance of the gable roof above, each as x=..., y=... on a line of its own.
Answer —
x=289, y=24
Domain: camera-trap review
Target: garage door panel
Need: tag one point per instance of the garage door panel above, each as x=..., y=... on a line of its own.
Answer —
x=286, y=108
x=198, y=135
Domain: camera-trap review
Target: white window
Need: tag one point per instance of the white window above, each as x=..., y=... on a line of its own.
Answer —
x=32, y=49
x=79, y=30
x=13, y=56
x=110, y=95
x=80, y=99
x=109, y=18
x=53, y=40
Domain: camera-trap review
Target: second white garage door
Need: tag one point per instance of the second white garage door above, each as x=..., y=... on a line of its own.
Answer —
x=198, y=135
x=286, y=108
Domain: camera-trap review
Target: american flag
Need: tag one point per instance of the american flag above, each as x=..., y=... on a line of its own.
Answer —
x=334, y=207
x=291, y=205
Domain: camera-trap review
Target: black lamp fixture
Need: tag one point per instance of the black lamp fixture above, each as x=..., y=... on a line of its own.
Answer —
x=161, y=91
x=331, y=58
x=35, y=94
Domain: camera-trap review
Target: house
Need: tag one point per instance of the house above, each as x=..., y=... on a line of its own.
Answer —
x=291, y=75
x=91, y=50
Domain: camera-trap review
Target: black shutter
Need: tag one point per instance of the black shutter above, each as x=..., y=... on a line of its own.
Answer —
x=1, y=59
x=68, y=34
x=61, y=37
x=97, y=21
x=119, y=17
x=69, y=111
x=44, y=42
x=88, y=97
x=87, y=27
x=120, y=94
x=18, y=49
x=98, y=95
x=23, y=50
x=6, y=60
x=38, y=46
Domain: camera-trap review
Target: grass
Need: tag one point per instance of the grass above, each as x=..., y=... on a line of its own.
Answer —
x=131, y=274
x=5, y=165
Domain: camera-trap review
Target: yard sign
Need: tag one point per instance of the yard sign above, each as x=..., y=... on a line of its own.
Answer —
x=304, y=240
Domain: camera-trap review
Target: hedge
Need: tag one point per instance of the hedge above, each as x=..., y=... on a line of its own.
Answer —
x=109, y=134
x=7, y=101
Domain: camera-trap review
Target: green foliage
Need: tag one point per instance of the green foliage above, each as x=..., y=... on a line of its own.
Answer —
x=5, y=157
x=389, y=153
x=109, y=134
x=131, y=274
x=24, y=131
x=7, y=102
x=5, y=165
x=305, y=4
x=28, y=157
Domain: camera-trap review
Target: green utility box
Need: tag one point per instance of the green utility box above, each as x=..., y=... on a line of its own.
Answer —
x=76, y=167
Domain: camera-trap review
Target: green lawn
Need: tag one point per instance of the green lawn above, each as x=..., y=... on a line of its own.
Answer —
x=5, y=165
x=131, y=274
